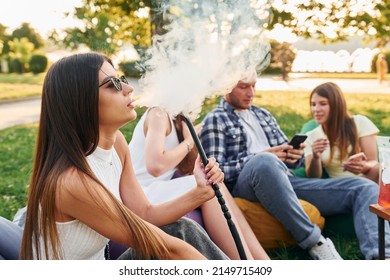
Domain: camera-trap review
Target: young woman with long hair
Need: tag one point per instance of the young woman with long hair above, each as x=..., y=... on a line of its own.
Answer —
x=343, y=144
x=163, y=158
x=83, y=191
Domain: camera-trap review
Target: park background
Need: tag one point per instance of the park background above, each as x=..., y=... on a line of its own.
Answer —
x=329, y=40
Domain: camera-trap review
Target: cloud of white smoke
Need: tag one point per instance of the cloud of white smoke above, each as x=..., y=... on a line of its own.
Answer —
x=210, y=45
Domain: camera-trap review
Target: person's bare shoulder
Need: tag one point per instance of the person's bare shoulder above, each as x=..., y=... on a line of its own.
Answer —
x=157, y=118
x=71, y=181
x=121, y=146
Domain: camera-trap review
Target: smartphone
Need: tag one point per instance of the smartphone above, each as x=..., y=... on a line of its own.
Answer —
x=297, y=140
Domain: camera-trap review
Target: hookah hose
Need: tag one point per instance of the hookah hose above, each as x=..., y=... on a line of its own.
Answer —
x=218, y=193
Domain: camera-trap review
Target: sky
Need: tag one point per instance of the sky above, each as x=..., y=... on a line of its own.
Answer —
x=43, y=15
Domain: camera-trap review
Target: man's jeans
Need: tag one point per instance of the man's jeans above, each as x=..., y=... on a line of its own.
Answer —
x=267, y=180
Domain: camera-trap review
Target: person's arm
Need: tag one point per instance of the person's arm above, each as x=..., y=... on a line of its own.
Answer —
x=159, y=160
x=313, y=159
x=76, y=202
x=369, y=147
x=134, y=198
x=313, y=167
x=366, y=162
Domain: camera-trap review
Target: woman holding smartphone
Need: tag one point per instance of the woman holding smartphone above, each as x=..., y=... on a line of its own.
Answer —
x=343, y=144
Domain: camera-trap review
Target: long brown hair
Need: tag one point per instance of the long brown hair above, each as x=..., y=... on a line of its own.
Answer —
x=340, y=127
x=186, y=166
x=68, y=132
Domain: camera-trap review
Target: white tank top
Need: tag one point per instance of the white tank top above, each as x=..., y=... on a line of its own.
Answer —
x=137, y=150
x=161, y=188
x=78, y=241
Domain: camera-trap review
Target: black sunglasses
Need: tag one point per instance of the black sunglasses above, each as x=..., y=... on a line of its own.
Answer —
x=117, y=82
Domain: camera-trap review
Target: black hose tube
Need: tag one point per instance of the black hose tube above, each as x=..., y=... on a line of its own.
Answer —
x=218, y=193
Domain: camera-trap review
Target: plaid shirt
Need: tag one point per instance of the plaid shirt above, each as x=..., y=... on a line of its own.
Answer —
x=224, y=137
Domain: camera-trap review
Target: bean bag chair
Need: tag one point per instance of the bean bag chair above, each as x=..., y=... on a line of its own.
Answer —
x=269, y=231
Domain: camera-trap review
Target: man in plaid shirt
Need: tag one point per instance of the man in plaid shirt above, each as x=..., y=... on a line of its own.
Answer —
x=256, y=159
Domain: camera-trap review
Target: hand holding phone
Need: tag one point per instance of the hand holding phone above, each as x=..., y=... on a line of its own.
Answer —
x=297, y=140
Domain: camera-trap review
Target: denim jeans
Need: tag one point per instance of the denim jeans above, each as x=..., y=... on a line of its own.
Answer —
x=10, y=239
x=191, y=232
x=267, y=180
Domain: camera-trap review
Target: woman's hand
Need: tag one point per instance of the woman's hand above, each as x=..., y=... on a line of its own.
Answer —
x=318, y=147
x=209, y=175
x=356, y=164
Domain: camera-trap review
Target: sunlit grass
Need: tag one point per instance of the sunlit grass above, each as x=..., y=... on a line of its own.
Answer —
x=16, y=156
x=20, y=85
x=14, y=91
x=27, y=78
x=334, y=75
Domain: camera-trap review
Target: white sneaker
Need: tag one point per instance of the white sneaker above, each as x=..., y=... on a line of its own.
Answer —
x=324, y=250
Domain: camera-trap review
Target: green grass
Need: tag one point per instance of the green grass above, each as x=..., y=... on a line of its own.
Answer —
x=13, y=91
x=332, y=75
x=27, y=78
x=291, y=109
x=16, y=154
x=20, y=86
x=348, y=248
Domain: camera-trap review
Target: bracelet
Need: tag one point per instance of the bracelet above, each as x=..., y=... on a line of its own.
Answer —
x=188, y=146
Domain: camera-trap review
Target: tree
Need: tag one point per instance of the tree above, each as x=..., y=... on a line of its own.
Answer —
x=21, y=50
x=3, y=32
x=98, y=34
x=331, y=21
x=108, y=25
x=3, y=39
x=376, y=24
x=26, y=31
x=336, y=20
x=283, y=55
x=38, y=63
